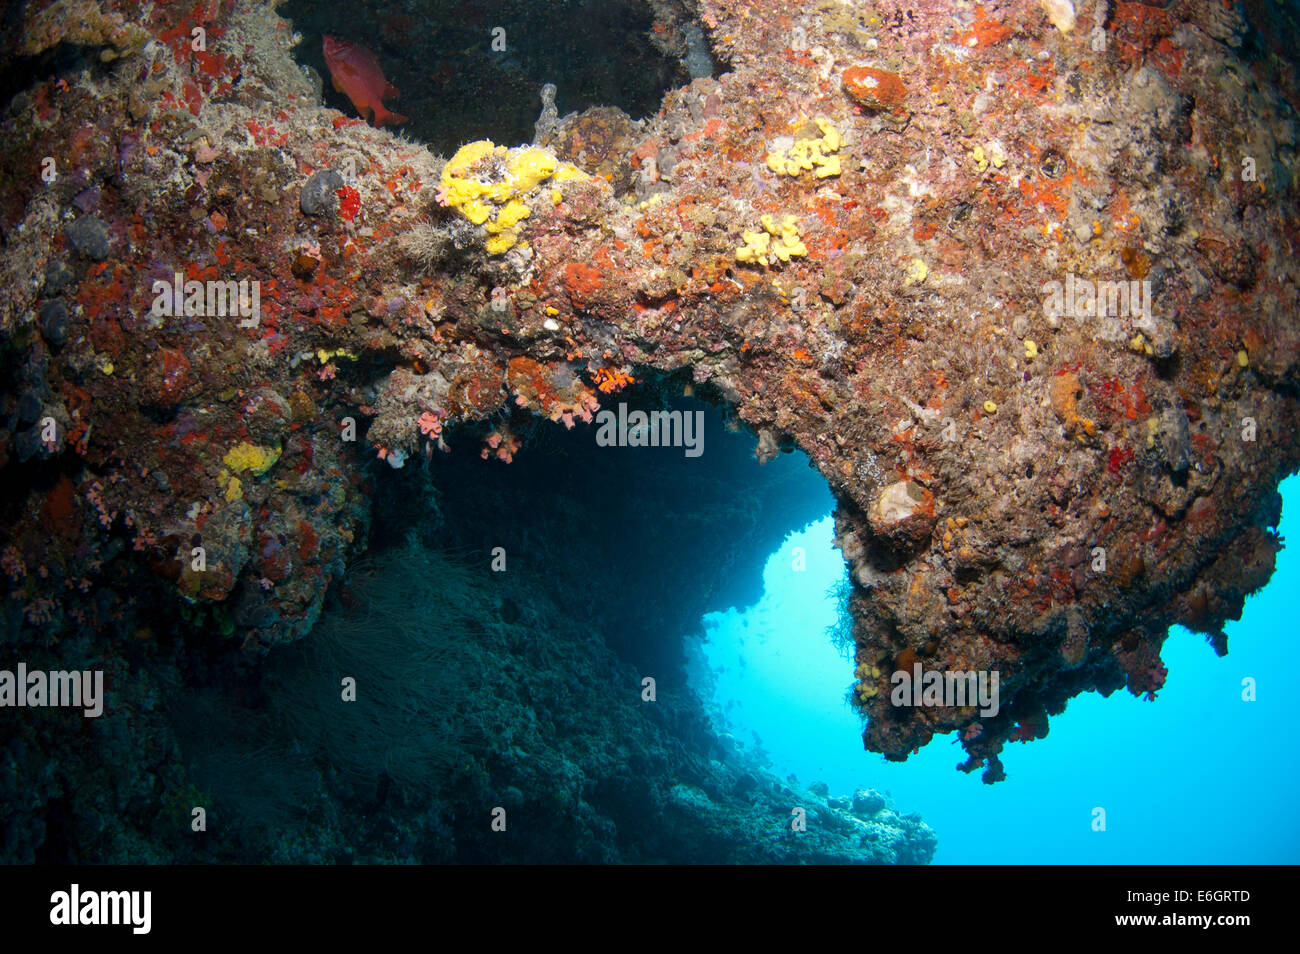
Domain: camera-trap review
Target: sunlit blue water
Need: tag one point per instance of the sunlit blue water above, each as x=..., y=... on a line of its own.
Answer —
x=1198, y=776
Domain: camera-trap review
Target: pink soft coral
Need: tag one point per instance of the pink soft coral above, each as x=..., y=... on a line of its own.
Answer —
x=430, y=424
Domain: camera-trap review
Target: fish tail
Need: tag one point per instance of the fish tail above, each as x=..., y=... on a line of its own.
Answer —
x=384, y=117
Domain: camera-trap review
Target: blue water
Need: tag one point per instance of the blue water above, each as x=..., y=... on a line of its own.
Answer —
x=1198, y=776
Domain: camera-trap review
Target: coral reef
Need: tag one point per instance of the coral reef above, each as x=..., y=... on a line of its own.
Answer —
x=1026, y=296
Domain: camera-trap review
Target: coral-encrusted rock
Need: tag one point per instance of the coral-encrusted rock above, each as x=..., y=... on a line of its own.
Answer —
x=1061, y=13
x=867, y=802
x=876, y=90
x=168, y=378
x=903, y=513
x=582, y=281
x=1232, y=261
x=1034, y=162
x=599, y=141
x=225, y=537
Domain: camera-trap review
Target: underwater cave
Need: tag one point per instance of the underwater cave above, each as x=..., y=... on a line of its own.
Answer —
x=474, y=70
x=500, y=630
x=365, y=585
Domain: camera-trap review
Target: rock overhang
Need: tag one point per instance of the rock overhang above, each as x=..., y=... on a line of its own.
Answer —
x=1035, y=474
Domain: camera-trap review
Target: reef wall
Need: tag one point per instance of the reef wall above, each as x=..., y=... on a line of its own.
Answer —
x=880, y=234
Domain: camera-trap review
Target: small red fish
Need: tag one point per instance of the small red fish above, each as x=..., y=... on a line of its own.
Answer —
x=357, y=74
